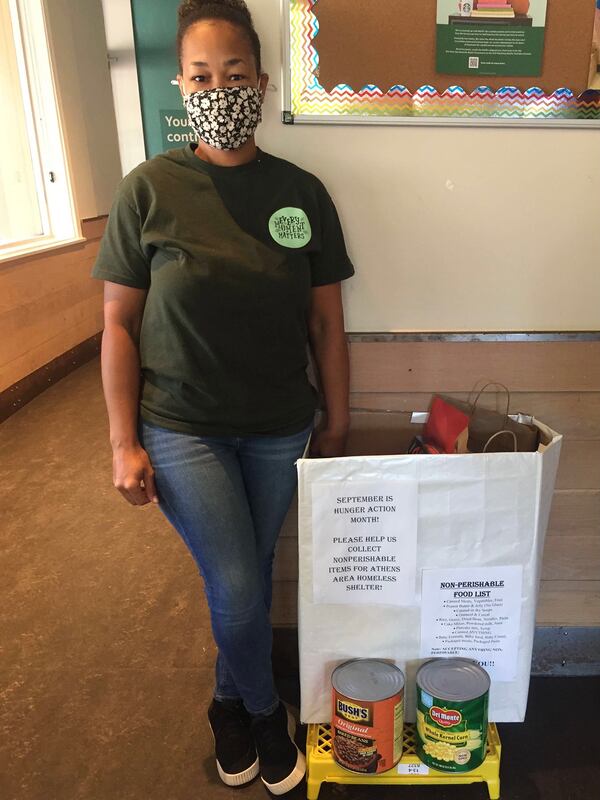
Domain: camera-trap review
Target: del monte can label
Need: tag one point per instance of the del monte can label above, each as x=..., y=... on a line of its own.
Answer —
x=446, y=718
x=452, y=704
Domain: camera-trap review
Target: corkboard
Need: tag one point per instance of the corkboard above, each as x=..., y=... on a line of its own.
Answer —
x=394, y=42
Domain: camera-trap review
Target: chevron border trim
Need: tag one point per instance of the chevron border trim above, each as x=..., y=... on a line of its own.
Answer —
x=309, y=98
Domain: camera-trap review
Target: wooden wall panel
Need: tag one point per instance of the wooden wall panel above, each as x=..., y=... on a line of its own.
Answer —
x=35, y=323
x=575, y=512
x=29, y=281
x=48, y=304
x=290, y=525
x=46, y=352
x=569, y=603
x=559, y=382
x=284, y=611
x=456, y=367
x=285, y=567
x=579, y=465
x=571, y=558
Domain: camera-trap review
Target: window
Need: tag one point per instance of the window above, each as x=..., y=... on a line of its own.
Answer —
x=36, y=204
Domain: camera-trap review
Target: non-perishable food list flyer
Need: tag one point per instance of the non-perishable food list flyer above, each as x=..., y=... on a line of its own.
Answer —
x=490, y=37
x=365, y=542
x=473, y=612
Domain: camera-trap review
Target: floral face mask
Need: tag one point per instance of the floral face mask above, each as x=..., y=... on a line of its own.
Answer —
x=224, y=118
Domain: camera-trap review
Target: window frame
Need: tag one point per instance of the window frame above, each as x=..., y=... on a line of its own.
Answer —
x=52, y=174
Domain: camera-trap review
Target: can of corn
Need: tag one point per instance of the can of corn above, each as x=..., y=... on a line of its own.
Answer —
x=452, y=711
x=367, y=718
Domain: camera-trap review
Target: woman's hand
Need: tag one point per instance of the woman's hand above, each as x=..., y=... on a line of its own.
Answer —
x=133, y=475
x=328, y=443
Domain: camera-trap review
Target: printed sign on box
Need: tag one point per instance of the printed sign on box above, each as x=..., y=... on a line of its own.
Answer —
x=367, y=553
x=473, y=613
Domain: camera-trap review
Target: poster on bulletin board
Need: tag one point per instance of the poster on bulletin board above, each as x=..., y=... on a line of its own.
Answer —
x=490, y=37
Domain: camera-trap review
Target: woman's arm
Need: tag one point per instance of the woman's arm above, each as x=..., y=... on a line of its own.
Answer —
x=132, y=472
x=328, y=342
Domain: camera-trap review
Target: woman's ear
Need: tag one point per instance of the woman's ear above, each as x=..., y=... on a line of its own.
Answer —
x=181, y=86
x=262, y=85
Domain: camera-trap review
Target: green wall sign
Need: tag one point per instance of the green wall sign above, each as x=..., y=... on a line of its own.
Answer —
x=164, y=118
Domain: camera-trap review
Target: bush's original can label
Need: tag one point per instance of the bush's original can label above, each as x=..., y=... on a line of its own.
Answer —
x=452, y=704
x=367, y=718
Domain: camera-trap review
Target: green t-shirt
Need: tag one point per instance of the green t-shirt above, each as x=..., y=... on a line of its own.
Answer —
x=228, y=256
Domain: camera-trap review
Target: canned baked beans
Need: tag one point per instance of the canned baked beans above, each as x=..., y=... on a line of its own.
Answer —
x=367, y=718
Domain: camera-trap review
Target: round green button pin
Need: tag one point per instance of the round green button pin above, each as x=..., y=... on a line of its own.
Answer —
x=290, y=227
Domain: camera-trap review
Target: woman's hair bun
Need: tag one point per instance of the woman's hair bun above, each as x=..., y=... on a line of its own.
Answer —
x=233, y=11
x=188, y=7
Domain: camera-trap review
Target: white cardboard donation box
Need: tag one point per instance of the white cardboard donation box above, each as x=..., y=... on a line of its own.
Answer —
x=408, y=557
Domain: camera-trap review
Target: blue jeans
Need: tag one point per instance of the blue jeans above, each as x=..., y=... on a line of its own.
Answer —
x=227, y=498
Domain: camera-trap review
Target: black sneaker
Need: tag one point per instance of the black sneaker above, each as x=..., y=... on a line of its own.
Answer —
x=282, y=765
x=237, y=762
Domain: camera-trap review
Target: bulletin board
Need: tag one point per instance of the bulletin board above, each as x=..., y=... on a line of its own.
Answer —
x=376, y=62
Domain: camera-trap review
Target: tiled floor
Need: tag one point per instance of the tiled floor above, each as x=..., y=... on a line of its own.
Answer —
x=106, y=655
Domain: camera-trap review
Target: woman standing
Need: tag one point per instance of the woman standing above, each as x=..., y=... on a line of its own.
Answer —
x=221, y=263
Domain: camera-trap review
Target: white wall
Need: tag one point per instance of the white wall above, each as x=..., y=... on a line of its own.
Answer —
x=450, y=229
x=119, y=36
x=80, y=59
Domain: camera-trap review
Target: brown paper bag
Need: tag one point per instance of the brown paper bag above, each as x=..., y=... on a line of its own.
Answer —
x=485, y=423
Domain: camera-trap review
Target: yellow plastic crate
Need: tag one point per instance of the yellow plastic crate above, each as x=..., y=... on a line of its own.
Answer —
x=320, y=766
